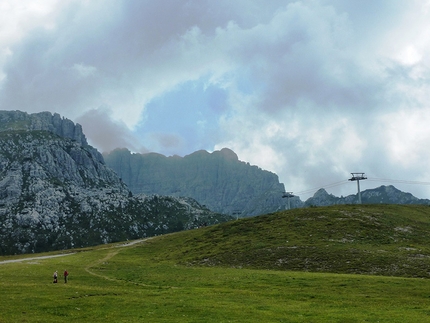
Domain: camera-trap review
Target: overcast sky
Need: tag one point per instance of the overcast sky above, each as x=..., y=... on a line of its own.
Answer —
x=310, y=90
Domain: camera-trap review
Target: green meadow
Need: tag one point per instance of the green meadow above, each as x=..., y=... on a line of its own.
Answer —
x=308, y=265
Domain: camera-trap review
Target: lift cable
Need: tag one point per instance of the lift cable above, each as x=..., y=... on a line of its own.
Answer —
x=372, y=179
x=397, y=181
x=324, y=186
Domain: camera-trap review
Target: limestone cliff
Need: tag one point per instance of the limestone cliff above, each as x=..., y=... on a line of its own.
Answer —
x=56, y=192
x=218, y=180
x=54, y=123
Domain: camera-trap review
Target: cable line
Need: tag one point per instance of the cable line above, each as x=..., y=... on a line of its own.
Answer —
x=324, y=186
x=398, y=181
x=372, y=179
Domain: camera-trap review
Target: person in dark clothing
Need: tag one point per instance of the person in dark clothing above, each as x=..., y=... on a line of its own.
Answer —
x=65, y=276
x=55, y=277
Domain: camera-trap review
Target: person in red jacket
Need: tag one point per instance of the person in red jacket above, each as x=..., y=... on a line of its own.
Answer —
x=65, y=276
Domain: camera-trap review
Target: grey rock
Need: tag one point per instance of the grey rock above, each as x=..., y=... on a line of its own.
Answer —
x=380, y=195
x=56, y=192
x=18, y=120
x=217, y=180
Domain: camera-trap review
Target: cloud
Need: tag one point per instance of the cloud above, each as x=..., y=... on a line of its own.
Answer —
x=84, y=71
x=107, y=134
x=311, y=90
x=328, y=102
x=16, y=19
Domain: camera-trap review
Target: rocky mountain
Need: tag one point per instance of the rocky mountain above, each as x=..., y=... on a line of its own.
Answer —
x=218, y=180
x=45, y=121
x=380, y=195
x=56, y=191
x=226, y=185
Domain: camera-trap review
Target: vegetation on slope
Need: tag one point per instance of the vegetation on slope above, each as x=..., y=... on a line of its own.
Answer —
x=388, y=240
x=193, y=276
x=56, y=193
x=107, y=286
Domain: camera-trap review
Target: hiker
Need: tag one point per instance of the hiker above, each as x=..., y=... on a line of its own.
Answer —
x=65, y=276
x=55, y=277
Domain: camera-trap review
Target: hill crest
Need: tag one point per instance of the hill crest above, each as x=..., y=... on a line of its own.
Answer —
x=389, y=240
x=379, y=195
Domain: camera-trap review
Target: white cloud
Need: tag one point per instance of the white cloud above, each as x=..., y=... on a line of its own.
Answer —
x=16, y=19
x=84, y=70
x=406, y=136
x=314, y=89
x=106, y=133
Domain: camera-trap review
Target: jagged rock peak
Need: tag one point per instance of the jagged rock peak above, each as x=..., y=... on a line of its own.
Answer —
x=224, y=153
x=18, y=120
x=227, y=154
x=217, y=180
x=321, y=193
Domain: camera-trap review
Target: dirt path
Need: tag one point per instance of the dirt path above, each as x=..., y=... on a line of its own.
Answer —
x=112, y=253
x=35, y=258
x=100, y=261
x=127, y=244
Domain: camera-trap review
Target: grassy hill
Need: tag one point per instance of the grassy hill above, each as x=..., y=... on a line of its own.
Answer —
x=391, y=240
x=250, y=270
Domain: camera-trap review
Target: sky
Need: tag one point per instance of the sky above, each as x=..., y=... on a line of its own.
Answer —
x=310, y=90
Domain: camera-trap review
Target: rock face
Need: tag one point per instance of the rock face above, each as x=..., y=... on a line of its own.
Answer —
x=56, y=192
x=18, y=120
x=322, y=198
x=218, y=180
x=380, y=195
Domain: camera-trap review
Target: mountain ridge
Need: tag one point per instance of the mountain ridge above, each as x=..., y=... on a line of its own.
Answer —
x=54, y=123
x=218, y=180
x=225, y=184
x=56, y=192
x=384, y=194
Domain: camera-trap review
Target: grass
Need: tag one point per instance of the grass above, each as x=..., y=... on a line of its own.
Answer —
x=229, y=273
x=367, y=239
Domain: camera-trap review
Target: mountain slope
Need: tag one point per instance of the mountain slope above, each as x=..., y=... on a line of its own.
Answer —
x=380, y=195
x=388, y=240
x=224, y=184
x=56, y=192
x=218, y=180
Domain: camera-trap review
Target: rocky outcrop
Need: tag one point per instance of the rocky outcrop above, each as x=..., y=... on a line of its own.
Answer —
x=218, y=180
x=54, y=123
x=380, y=195
x=45, y=121
x=56, y=192
x=322, y=198
x=390, y=195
